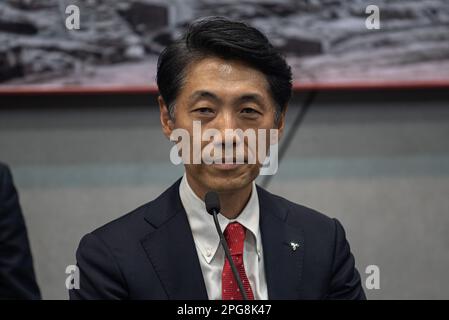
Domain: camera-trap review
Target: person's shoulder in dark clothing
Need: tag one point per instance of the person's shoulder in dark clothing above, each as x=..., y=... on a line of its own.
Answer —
x=17, y=278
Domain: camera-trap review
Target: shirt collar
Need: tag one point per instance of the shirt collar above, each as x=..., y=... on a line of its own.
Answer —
x=202, y=223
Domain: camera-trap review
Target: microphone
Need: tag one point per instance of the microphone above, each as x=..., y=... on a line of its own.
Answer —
x=213, y=207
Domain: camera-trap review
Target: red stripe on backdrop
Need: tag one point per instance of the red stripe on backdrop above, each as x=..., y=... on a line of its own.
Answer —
x=297, y=87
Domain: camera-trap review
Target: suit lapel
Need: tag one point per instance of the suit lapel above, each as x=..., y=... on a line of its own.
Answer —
x=283, y=263
x=171, y=249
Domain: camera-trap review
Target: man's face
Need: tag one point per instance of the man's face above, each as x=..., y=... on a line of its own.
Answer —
x=223, y=94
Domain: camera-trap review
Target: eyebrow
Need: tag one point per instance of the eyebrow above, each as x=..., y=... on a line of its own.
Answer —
x=248, y=97
x=202, y=94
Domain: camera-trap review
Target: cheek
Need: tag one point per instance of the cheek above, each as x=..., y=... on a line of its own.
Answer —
x=265, y=138
x=182, y=122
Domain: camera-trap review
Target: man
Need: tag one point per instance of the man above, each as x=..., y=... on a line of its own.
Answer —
x=17, y=279
x=223, y=75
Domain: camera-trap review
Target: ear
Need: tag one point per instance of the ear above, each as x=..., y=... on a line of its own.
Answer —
x=281, y=122
x=166, y=121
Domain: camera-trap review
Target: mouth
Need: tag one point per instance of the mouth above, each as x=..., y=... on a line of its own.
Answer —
x=228, y=164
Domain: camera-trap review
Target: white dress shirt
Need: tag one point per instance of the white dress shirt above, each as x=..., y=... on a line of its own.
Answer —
x=210, y=253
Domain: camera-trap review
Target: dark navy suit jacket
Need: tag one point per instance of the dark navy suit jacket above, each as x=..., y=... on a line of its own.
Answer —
x=17, y=279
x=150, y=254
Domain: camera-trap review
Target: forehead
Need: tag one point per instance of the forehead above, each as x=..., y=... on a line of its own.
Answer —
x=224, y=75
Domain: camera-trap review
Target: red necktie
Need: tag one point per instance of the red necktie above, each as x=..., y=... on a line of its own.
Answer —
x=235, y=237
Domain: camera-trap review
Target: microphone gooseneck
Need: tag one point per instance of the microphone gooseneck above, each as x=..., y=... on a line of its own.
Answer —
x=212, y=202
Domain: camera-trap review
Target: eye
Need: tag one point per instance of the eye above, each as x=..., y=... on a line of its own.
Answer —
x=250, y=111
x=204, y=110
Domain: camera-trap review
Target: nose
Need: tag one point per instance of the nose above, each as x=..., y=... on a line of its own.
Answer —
x=225, y=123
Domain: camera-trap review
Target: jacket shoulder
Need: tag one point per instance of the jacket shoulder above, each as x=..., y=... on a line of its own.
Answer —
x=133, y=225
x=3, y=168
x=311, y=221
x=123, y=227
x=5, y=174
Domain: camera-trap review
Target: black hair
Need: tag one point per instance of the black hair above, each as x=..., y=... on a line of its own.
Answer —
x=227, y=39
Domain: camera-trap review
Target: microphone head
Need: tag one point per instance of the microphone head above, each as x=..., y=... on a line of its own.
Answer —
x=212, y=202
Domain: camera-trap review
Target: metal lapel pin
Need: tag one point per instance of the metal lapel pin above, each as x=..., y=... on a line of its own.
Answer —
x=294, y=245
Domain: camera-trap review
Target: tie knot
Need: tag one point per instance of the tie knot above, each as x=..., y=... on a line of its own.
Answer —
x=235, y=237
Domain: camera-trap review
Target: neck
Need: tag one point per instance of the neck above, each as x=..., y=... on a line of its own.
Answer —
x=232, y=202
